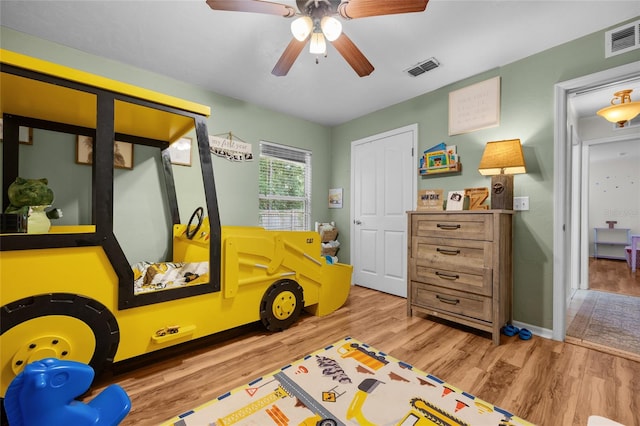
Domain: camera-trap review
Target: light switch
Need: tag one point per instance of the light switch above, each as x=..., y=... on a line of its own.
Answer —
x=521, y=203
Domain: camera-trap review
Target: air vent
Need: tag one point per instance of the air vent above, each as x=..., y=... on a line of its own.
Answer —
x=423, y=67
x=622, y=39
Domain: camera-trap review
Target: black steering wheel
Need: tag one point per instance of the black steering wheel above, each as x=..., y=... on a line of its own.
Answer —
x=199, y=213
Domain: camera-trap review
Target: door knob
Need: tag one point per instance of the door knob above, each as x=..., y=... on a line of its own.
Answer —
x=357, y=222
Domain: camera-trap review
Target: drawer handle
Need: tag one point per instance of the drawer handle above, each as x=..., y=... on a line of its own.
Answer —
x=448, y=226
x=447, y=300
x=448, y=252
x=447, y=276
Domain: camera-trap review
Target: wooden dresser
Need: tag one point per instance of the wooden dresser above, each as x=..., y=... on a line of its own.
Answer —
x=460, y=267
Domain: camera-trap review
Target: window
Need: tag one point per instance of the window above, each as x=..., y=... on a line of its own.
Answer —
x=285, y=188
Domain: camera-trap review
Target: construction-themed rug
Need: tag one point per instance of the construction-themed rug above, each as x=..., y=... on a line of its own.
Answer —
x=347, y=383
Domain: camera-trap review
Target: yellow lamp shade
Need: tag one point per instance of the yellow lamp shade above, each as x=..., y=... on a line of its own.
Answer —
x=502, y=157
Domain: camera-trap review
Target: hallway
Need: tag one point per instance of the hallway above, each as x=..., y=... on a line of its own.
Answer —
x=609, y=279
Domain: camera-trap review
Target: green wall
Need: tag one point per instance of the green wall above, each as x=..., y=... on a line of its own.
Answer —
x=527, y=113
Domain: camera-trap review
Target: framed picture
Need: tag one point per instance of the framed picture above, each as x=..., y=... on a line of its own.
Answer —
x=335, y=198
x=25, y=136
x=180, y=152
x=430, y=199
x=122, y=152
x=455, y=200
x=475, y=107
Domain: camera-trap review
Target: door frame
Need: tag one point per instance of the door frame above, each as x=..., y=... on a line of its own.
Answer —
x=413, y=128
x=563, y=238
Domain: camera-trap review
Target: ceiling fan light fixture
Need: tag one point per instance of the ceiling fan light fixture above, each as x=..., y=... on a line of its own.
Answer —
x=318, y=44
x=622, y=109
x=331, y=27
x=301, y=28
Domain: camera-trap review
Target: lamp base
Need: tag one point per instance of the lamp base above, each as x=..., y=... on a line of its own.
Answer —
x=502, y=192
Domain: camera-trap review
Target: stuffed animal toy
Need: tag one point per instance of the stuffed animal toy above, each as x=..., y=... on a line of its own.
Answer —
x=24, y=193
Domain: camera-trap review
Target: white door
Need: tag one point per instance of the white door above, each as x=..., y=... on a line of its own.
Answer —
x=383, y=189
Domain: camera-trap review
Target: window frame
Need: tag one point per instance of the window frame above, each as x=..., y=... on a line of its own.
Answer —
x=296, y=155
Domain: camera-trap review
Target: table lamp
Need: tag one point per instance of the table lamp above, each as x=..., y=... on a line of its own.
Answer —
x=501, y=160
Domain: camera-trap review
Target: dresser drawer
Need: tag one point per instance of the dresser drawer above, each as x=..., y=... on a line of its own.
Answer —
x=479, y=283
x=452, y=254
x=456, y=302
x=463, y=226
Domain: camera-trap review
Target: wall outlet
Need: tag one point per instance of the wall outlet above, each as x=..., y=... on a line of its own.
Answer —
x=521, y=203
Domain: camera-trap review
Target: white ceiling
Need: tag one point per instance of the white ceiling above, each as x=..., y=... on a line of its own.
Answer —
x=233, y=53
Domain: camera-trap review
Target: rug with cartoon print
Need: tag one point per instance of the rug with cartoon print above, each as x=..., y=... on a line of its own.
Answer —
x=347, y=383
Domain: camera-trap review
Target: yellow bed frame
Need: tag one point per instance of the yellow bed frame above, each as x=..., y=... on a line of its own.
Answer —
x=69, y=293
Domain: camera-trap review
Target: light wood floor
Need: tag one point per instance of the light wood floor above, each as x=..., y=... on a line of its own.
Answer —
x=614, y=276
x=543, y=381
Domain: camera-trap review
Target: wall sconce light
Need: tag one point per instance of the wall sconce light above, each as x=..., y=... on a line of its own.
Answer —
x=501, y=160
x=622, y=109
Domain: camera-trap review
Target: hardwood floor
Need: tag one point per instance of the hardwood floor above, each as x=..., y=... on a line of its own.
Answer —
x=614, y=276
x=543, y=381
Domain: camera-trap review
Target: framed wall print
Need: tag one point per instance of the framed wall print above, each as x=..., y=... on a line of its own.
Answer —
x=180, y=152
x=475, y=107
x=122, y=152
x=25, y=136
x=335, y=198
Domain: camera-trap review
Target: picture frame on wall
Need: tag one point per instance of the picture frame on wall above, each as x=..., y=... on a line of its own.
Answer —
x=475, y=107
x=25, y=136
x=122, y=152
x=335, y=198
x=180, y=152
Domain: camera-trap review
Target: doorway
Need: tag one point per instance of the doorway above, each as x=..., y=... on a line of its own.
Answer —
x=571, y=244
x=383, y=182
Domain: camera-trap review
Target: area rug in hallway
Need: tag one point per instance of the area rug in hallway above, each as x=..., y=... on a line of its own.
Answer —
x=608, y=320
x=347, y=383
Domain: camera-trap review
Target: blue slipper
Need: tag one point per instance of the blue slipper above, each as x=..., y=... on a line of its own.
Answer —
x=525, y=334
x=510, y=330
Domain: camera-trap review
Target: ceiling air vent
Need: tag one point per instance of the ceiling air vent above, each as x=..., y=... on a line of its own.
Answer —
x=423, y=67
x=622, y=39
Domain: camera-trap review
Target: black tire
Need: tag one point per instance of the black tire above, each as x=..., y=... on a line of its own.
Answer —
x=94, y=314
x=281, y=305
x=327, y=422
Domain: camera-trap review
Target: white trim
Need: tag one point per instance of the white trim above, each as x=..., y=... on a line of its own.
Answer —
x=534, y=329
x=584, y=200
x=560, y=238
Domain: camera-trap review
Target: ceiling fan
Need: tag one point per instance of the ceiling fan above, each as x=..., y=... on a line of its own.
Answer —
x=316, y=22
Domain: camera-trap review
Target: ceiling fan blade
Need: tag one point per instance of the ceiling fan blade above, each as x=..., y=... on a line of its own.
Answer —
x=353, y=55
x=255, y=6
x=288, y=57
x=351, y=9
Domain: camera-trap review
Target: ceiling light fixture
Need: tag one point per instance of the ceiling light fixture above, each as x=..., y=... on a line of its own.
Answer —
x=301, y=28
x=327, y=27
x=331, y=27
x=318, y=45
x=622, y=109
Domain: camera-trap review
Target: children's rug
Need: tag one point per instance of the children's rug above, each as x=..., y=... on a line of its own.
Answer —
x=608, y=320
x=347, y=383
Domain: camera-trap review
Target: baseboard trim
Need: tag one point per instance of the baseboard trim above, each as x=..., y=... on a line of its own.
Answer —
x=538, y=331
